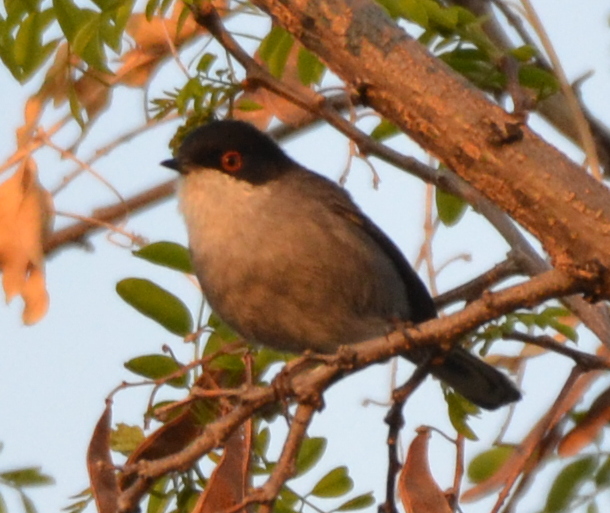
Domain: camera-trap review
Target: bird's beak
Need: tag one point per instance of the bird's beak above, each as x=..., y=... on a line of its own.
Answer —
x=172, y=164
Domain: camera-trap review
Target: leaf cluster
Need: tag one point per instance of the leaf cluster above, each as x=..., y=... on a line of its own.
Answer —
x=27, y=32
x=167, y=310
x=20, y=479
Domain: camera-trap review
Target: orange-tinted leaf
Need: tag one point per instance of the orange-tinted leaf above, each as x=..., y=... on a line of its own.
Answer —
x=417, y=488
x=152, y=36
x=588, y=428
x=93, y=91
x=274, y=105
x=24, y=218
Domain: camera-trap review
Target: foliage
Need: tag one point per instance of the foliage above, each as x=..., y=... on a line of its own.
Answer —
x=20, y=479
x=82, y=52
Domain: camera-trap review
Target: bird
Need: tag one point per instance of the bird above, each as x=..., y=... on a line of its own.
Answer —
x=287, y=259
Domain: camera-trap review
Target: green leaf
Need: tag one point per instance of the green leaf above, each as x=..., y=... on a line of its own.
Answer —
x=360, y=502
x=16, y=9
x=27, y=476
x=602, y=476
x=151, y=7
x=566, y=484
x=282, y=506
x=267, y=357
x=247, y=105
x=450, y=208
x=222, y=334
x=486, y=464
x=446, y=18
x=27, y=503
x=87, y=40
x=309, y=67
x=26, y=53
x=159, y=499
x=261, y=442
x=523, y=53
x=543, y=82
x=206, y=62
x=384, y=130
x=68, y=16
x=75, y=107
x=274, y=50
x=115, y=15
x=125, y=438
x=83, y=29
x=567, y=331
x=157, y=366
x=310, y=453
x=157, y=304
x=289, y=497
x=415, y=11
x=334, y=484
x=459, y=411
x=167, y=254
x=475, y=65
x=3, y=507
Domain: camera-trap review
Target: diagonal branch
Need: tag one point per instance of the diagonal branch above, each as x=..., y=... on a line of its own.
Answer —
x=566, y=209
x=595, y=318
x=313, y=382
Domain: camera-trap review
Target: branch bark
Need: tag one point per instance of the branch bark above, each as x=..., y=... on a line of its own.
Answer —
x=550, y=196
x=307, y=383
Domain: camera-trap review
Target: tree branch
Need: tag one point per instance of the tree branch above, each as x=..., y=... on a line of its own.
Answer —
x=563, y=207
x=596, y=318
x=312, y=382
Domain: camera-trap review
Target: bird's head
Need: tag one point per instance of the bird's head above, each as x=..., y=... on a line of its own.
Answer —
x=233, y=147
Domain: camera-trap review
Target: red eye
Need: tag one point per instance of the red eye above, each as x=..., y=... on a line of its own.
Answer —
x=231, y=161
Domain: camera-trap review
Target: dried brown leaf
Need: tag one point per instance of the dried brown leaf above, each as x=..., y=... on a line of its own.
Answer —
x=229, y=482
x=93, y=91
x=154, y=40
x=25, y=211
x=527, y=452
x=169, y=439
x=417, y=488
x=101, y=470
x=588, y=428
x=274, y=105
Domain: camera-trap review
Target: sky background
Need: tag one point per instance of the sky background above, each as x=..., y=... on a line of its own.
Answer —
x=54, y=376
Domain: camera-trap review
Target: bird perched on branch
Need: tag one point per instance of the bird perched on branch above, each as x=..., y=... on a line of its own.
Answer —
x=287, y=259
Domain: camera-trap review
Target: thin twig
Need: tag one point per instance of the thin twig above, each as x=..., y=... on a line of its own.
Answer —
x=584, y=129
x=395, y=421
x=586, y=361
x=309, y=382
x=593, y=317
x=475, y=287
x=102, y=217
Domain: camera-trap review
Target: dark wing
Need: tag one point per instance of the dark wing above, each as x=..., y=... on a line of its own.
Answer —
x=420, y=302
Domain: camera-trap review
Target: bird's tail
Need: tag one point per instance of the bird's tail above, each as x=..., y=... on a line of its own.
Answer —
x=471, y=377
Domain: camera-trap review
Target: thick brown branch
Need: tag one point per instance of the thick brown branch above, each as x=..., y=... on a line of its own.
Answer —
x=595, y=318
x=446, y=331
x=553, y=198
